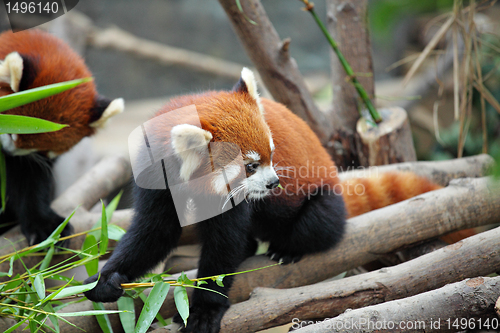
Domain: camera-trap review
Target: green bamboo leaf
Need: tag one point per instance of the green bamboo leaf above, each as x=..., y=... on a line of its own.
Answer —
x=102, y=320
x=11, y=329
x=115, y=232
x=48, y=257
x=183, y=279
x=90, y=246
x=152, y=306
x=87, y=313
x=26, y=125
x=28, y=96
x=52, y=318
x=70, y=291
x=112, y=206
x=11, y=265
x=182, y=302
x=104, y=231
x=3, y=180
x=52, y=239
x=127, y=317
x=219, y=279
x=39, y=286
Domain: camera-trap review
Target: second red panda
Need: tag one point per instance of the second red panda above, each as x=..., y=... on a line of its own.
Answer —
x=31, y=59
x=297, y=208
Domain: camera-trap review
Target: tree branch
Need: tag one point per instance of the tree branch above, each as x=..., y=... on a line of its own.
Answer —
x=277, y=69
x=475, y=256
x=466, y=203
x=118, y=39
x=106, y=176
x=433, y=311
x=440, y=172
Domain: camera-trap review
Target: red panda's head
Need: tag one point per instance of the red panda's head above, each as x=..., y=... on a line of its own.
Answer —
x=32, y=58
x=236, y=117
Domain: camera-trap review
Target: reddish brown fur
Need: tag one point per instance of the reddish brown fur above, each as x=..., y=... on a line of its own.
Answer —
x=54, y=62
x=362, y=195
x=234, y=117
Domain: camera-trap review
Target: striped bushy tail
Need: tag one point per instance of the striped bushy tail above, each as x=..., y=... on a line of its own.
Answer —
x=362, y=195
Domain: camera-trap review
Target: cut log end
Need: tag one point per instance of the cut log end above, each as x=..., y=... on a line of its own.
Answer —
x=394, y=132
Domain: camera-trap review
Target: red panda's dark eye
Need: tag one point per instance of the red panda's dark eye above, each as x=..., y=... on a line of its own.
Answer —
x=251, y=167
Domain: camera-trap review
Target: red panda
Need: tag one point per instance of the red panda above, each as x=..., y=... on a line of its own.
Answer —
x=31, y=59
x=292, y=196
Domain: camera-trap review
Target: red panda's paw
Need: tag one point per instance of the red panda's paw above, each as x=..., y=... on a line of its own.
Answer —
x=282, y=257
x=40, y=231
x=203, y=318
x=108, y=288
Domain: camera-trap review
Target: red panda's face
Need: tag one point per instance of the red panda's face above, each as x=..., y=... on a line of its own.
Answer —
x=235, y=118
x=31, y=59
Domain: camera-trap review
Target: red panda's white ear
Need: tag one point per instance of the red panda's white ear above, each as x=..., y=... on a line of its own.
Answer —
x=114, y=108
x=11, y=70
x=185, y=138
x=248, y=84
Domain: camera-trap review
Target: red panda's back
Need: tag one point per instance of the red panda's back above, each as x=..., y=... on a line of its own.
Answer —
x=299, y=155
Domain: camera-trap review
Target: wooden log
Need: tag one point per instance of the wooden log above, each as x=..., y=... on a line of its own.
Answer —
x=426, y=216
x=106, y=176
x=440, y=172
x=464, y=204
x=389, y=142
x=433, y=311
x=476, y=256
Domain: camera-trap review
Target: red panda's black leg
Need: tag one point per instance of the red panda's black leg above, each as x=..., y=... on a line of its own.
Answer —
x=154, y=232
x=29, y=194
x=317, y=226
x=224, y=247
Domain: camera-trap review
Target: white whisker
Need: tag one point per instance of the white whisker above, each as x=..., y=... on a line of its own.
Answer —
x=234, y=192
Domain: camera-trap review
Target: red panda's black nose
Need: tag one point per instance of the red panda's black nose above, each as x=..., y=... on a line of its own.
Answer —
x=273, y=184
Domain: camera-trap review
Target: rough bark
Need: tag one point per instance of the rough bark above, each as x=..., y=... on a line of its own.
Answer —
x=347, y=23
x=105, y=177
x=465, y=204
x=433, y=311
x=390, y=142
x=277, y=69
x=476, y=256
x=440, y=172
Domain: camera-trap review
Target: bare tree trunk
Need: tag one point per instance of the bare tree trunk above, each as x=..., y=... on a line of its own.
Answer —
x=277, y=69
x=346, y=21
x=434, y=311
x=476, y=256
